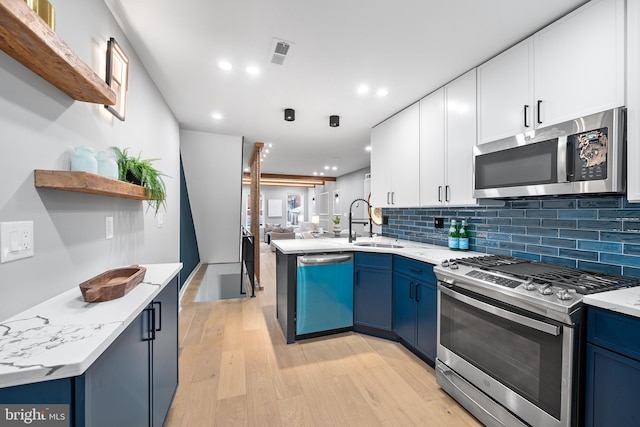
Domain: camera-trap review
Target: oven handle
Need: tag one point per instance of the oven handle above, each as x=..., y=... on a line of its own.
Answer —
x=513, y=317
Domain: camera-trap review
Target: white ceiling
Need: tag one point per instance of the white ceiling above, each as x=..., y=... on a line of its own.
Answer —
x=410, y=47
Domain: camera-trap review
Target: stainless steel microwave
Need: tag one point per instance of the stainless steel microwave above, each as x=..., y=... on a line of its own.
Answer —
x=585, y=155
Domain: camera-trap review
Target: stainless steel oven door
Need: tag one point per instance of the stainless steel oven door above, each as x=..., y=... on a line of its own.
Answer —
x=522, y=362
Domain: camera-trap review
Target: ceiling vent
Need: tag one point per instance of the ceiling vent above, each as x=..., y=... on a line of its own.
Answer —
x=279, y=50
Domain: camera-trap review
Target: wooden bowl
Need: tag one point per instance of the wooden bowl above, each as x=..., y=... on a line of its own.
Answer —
x=112, y=284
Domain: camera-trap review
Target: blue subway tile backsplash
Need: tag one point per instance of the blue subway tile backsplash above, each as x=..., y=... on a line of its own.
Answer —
x=599, y=233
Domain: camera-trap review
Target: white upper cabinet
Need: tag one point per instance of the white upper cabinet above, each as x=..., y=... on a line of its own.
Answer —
x=447, y=137
x=579, y=63
x=395, y=160
x=461, y=138
x=569, y=69
x=505, y=93
x=432, y=148
x=633, y=101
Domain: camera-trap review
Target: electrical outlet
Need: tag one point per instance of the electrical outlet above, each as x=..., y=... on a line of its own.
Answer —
x=109, y=228
x=438, y=222
x=16, y=240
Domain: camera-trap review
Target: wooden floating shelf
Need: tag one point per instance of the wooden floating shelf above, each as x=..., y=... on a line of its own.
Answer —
x=89, y=183
x=30, y=41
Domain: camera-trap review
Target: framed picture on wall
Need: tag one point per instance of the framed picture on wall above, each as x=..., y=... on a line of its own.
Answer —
x=275, y=208
x=117, y=77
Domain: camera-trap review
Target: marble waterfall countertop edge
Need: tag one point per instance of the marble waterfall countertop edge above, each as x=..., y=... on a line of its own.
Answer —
x=63, y=336
x=624, y=301
x=433, y=254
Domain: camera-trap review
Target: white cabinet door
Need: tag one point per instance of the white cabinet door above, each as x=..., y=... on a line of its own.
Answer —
x=633, y=101
x=461, y=138
x=505, y=93
x=405, y=158
x=381, y=149
x=432, y=149
x=395, y=160
x=579, y=63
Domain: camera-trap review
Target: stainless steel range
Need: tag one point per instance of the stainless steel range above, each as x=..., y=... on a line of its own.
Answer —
x=510, y=334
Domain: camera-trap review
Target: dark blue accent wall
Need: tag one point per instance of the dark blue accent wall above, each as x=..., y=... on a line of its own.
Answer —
x=590, y=232
x=189, y=255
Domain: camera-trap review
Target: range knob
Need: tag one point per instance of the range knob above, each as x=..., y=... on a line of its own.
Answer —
x=564, y=295
x=545, y=289
x=529, y=285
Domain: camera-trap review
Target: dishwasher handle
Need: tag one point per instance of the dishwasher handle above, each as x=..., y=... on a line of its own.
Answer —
x=324, y=259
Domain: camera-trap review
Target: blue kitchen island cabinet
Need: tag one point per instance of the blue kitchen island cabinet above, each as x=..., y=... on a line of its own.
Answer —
x=373, y=292
x=133, y=381
x=613, y=369
x=415, y=305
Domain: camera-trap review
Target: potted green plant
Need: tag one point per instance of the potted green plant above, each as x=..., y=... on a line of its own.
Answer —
x=336, y=225
x=140, y=172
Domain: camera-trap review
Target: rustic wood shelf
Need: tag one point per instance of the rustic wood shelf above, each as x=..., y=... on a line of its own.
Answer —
x=90, y=183
x=30, y=41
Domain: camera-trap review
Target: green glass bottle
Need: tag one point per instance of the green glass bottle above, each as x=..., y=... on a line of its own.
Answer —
x=463, y=236
x=454, y=236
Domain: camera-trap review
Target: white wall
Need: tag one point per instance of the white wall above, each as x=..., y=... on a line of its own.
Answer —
x=275, y=193
x=39, y=126
x=351, y=187
x=213, y=174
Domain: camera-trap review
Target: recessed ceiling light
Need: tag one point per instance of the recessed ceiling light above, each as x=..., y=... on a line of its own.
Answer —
x=246, y=169
x=315, y=173
x=216, y=116
x=367, y=148
x=362, y=89
x=270, y=145
x=254, y=71
x=224, y=65
x=266, y=151
x=382, y=92
x=322, y=173
x=327, y=168
x=335, y=168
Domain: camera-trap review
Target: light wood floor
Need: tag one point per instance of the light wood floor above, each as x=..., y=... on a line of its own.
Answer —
x=236, y=369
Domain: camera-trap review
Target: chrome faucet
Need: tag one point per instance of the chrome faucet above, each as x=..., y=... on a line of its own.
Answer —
x=352, y=221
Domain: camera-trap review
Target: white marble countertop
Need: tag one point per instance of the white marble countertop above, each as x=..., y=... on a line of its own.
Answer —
x=626, y=301
x=432, y=254
x=64, y=335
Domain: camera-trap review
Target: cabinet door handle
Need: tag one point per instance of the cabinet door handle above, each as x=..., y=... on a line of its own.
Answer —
x=439, y=193
x=526, y=110
x=417, y=293
x=151, y=319
x=393, y=197
x=447, y=190
x=410, y=290
x=538, y=118
x=415, y=270
x=388, y=202
x=159, y=303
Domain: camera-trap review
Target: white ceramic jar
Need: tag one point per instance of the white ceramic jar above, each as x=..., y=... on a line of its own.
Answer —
x=107, y=164
x=84, y=160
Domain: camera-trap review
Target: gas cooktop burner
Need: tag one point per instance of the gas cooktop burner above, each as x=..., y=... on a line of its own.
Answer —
x=543, y=276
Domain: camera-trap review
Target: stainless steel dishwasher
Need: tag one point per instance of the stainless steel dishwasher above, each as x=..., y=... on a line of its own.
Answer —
x=324, y=293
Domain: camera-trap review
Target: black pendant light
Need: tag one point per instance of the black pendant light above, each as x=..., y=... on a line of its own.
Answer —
x=289, y=114
x=334, y=121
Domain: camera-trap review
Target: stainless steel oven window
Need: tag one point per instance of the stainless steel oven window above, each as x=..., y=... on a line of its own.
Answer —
x=525, y=360
x=530, y=164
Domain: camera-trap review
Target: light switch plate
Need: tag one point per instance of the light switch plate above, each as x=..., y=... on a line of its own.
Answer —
x=109, y=228
x=16, y=240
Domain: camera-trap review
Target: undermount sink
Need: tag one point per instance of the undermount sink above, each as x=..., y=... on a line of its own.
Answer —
x=377, y=245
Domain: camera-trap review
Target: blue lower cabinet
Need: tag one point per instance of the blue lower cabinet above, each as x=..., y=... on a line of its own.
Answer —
x=415, y=305
x=404, y=308
x=612, y=389
x=612, y=370
x=427, y=320
x=372, y=291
